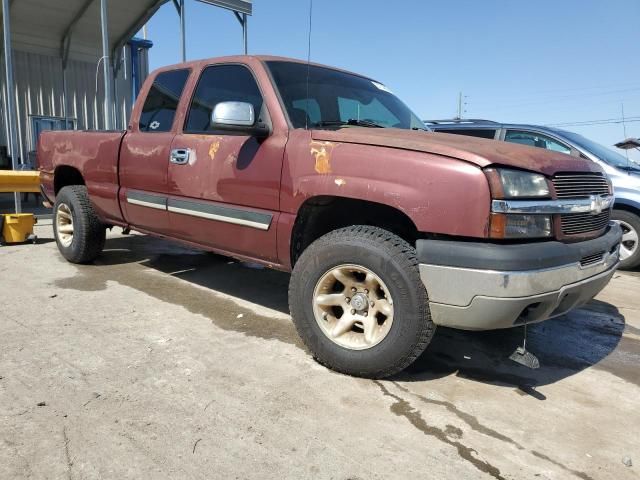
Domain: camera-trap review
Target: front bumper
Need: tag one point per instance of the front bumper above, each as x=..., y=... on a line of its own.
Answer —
x=483, y=286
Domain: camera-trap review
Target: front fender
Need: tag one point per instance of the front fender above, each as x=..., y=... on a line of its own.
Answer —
x=439, y=194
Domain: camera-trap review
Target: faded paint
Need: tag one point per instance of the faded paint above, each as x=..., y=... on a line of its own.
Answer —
x=322, y=151
x=435, y=179
x=477, y=151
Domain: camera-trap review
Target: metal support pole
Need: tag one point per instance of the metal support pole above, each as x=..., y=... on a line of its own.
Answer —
x=116, y=107
x=244, y=33
x=183, y=42
x=11, y=99
x=108, y=103
x=65, y=94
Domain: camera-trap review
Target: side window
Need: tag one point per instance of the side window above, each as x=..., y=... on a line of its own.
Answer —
x=160, y=106
x=536, y=140
x=471, y=132
x=222, y=83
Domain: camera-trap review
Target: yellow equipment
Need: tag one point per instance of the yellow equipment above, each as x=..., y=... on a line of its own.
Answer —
x=18, y=227
x=19, y=181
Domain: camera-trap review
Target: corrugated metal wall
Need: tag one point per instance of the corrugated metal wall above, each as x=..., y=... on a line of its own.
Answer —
x=39, y=91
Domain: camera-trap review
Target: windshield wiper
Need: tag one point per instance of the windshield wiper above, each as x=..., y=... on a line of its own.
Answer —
x=351, y=121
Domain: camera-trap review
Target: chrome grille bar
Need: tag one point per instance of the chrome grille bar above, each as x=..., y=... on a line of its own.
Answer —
x=580, y=185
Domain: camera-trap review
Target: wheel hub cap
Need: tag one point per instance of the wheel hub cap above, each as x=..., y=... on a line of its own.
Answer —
x=360, y=301
x=353, y=307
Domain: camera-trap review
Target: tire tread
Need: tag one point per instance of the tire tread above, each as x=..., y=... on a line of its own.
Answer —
x=400, y=251
x=89, y=231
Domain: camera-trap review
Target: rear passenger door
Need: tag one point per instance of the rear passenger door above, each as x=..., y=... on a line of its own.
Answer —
x=225, y=193
x=145, y=152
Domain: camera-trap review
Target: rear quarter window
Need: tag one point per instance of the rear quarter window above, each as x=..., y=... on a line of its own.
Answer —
x=159, y=109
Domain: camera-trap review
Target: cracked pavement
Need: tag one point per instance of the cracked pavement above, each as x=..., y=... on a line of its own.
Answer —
x=164, y=362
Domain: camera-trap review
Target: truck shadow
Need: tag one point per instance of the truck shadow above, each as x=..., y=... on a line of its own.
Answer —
x=567, y=345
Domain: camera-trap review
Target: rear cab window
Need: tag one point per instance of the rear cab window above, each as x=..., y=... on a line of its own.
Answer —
x=159, y=109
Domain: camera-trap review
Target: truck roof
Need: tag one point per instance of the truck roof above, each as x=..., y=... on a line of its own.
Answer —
x=243, y=59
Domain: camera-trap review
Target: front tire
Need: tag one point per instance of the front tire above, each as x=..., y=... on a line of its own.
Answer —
x=359, y=304
x=79, y=233
x=630, y=246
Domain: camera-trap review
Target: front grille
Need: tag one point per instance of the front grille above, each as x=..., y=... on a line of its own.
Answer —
x=580, y=185
x=577, y=223
x=591, y=259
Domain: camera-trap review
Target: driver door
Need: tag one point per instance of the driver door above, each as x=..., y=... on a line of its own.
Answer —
x=224, y=187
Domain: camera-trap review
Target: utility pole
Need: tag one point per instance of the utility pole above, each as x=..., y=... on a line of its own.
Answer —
x=459, y=116
x=183, y=40
x=624, y=130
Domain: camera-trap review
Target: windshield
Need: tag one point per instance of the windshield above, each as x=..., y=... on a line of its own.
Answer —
x=334, y=99
x=603, y=153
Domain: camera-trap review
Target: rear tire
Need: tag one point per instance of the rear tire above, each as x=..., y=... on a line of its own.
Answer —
x=361, y=256
x=630, y=247
x=79, y=233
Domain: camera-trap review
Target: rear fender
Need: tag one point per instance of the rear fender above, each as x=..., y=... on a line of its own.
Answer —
x=92, y=153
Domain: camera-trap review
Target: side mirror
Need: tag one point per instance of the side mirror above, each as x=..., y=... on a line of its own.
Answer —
x=237, y=117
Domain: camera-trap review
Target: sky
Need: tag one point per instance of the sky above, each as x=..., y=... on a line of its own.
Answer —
x=542, y=62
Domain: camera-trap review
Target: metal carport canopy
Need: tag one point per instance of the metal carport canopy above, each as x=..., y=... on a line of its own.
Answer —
x=45, y=26
x=84, y=30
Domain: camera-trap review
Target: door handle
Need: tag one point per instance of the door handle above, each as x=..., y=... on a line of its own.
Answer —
x=179, y=156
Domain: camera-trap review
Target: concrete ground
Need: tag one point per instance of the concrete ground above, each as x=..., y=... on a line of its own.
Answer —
x=163, y=362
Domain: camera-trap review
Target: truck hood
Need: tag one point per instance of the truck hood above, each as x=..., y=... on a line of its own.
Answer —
x=479, y=151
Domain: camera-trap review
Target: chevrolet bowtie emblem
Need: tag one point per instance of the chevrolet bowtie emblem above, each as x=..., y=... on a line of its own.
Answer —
x=597, y=204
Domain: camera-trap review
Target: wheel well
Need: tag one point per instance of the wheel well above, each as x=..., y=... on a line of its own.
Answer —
x=320, y=215
x=65, y=176
x=626, y=208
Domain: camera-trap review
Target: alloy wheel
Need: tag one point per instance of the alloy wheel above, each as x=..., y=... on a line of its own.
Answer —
x=353, y=307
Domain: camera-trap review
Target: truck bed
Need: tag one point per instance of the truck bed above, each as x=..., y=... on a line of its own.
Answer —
x=95, y=154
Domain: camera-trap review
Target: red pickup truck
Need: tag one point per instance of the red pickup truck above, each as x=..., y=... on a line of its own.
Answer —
x=388, y=229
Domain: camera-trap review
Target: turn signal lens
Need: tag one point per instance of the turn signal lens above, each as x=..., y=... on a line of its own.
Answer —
x=519, y=226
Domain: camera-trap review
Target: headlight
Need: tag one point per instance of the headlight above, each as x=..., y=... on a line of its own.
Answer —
x=507, y=183
x=517, y=184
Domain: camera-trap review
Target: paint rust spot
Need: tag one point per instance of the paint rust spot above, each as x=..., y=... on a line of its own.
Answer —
x=214, y=147
x=322, y=151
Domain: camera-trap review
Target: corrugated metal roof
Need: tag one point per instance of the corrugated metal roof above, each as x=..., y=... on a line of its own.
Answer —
x=39, y=26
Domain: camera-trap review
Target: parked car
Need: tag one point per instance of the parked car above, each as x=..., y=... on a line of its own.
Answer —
x=389, y=230
x=624, y=174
